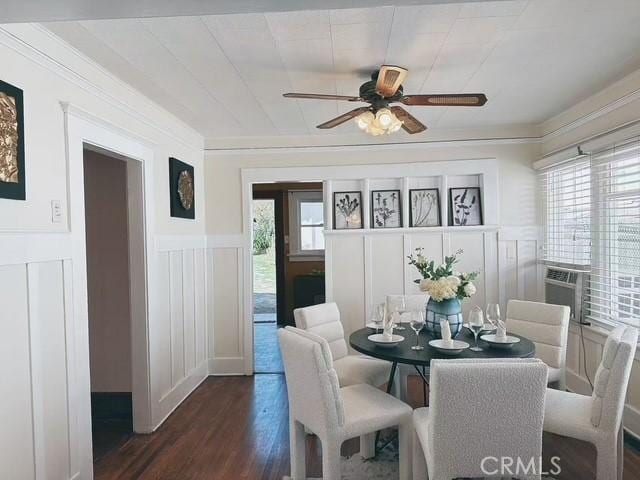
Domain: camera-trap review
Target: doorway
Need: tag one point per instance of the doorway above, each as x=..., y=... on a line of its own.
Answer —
x=287, y=261
x=110, y=198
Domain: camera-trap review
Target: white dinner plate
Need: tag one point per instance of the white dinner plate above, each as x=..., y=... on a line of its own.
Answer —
x=497, y=342
x=379, y=339
x=375, y=326
x=453, y=348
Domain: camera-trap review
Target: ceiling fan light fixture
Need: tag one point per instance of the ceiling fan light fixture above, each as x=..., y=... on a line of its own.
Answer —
x=385, y=118
x=364, y=120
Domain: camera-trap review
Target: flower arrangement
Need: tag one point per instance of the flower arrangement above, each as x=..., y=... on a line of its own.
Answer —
x=442, y=282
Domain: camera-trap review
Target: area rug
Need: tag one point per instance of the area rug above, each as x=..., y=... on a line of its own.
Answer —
x=383, y=467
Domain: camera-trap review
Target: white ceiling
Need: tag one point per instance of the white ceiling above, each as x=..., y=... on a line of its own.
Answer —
x=225, y=74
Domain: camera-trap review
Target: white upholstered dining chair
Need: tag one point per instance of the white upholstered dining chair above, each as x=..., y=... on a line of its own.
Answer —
x=479, y=409
x=598, y=419
x=411, y=303
x=334, y=413
x=324, y=320
x=547, y=326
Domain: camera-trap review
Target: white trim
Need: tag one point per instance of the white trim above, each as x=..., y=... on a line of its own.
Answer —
x=236, y=240
x=226, y=366
x=589, y=144
x=19, y=45
x=471, y=142
x=168, y=243
x=104, y=135
x=405, y=230
x=589, y=117
x=31, y=248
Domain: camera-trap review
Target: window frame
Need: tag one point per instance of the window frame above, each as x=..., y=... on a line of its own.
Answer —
x=297, y=197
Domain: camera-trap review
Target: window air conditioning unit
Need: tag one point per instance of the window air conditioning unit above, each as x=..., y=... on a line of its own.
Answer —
x=564, y=286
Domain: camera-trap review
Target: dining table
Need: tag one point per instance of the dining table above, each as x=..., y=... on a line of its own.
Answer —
x=420, y=359
x=402, y=353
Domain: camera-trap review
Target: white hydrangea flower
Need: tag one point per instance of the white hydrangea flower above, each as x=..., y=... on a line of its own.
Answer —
x=470, y=289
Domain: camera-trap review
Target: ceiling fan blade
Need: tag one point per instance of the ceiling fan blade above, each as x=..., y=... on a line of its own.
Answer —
x=345, y=117
x=443, y=100
x=320, y=96
x=410, y=124
x=390, y=78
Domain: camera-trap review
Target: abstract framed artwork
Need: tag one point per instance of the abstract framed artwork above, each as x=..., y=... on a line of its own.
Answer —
x=424, y=205
x=12, y=168
x=347, y=210
x=465, y=206
x=386, y=209
x=181, y=189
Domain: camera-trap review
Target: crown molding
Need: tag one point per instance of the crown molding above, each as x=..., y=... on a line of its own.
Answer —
x=17, y=44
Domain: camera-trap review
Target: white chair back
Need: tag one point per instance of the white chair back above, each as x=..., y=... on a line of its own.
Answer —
x=612, y=378
x=324, y=321
x=484, y=408
x=312, y=383
x=411, y=304
x=545, y=325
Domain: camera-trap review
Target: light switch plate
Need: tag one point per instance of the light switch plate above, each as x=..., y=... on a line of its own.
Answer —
x=56, y=211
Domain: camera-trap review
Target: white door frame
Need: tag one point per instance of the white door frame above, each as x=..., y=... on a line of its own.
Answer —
x=84, y=129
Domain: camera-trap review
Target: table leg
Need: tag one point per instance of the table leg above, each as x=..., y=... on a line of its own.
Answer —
x=424, y=387
x=392, y=374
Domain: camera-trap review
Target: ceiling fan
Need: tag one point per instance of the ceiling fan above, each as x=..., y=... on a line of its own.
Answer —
x=384, y=88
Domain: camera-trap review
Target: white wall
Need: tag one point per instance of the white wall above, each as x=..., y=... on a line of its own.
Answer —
x=45, y=430
x=511, y=250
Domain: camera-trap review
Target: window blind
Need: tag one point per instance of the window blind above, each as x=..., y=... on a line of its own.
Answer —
x=566, y=194
x=613, y=289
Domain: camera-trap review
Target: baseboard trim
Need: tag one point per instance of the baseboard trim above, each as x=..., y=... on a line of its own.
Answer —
x=222, y=366
x=631, y=416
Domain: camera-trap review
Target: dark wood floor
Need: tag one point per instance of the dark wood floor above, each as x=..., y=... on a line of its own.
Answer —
x=235, y=428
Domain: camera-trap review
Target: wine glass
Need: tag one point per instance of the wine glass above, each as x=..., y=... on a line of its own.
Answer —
x=493, y=313
x=417, y=324
x=401, y=308
x=476, y=323
x=377, y=316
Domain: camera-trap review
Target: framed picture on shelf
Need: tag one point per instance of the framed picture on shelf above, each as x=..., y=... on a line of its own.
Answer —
x=347, y=210
x=181, y=189
x=465, y=206
x=386, y=209
x=12, y=169
x=424, y=207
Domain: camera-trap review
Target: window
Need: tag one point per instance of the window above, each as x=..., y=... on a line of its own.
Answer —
x=306, y=225
x=614, y=282
x=567, y=232
x=592, y=218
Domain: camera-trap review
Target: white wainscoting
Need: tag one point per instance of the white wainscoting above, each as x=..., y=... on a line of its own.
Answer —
x=225, y=264
x=37, y=416
x=582, y=361
x=364, y=266
x=179, y=358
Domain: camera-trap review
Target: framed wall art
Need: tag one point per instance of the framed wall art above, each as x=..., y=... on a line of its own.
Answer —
x=424, y=206
x=181, y=189
x=465, y=207
x=386, y=209
x=347, y=210
x=12, y=168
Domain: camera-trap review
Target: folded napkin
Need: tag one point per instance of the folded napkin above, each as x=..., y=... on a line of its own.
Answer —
x=445, y=332
x=502, y=329
x=388, y=324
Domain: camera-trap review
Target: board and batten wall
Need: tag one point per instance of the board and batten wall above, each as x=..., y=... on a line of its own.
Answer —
x=45, y=415
x=364, y=266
